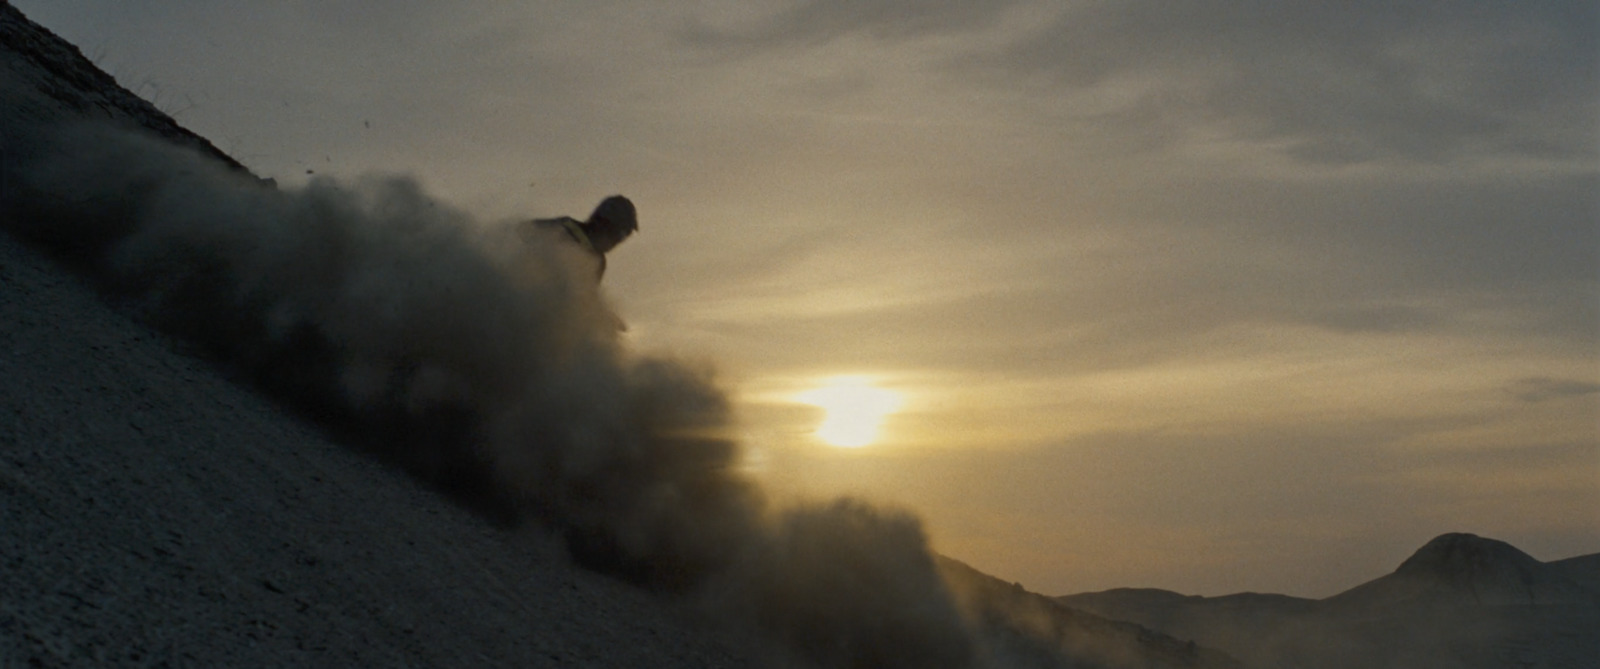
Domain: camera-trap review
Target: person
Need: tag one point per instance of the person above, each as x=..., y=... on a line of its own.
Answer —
x=611, y=223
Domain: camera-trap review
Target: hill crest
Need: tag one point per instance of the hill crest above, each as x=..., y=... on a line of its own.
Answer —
x=1459, y=568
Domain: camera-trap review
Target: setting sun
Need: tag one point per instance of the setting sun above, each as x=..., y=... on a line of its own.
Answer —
x=854, y=410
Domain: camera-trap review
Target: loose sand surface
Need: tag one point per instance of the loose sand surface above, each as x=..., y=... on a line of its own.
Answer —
x=153, y=513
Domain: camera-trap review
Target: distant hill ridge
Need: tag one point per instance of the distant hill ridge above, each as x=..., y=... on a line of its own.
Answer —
x=1463, y=556
x=1583, y=570
x=1034, y=626
x=1458, y=568
x=1480, y=601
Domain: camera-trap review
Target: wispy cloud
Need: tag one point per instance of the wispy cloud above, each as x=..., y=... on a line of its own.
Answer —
x=1543, y=388
x=1323, y=83
x=821, y=21
x=1341, y=83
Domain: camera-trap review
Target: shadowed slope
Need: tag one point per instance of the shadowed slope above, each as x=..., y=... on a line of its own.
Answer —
x=153, y=512
x=1583, y=570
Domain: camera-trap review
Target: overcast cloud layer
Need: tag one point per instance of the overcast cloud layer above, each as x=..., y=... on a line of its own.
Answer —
x=1281, y=283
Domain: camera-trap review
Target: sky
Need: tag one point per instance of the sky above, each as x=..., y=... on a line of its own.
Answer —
x=1211, y=297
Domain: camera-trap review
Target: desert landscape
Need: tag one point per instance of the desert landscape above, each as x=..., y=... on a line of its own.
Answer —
x=221, y=449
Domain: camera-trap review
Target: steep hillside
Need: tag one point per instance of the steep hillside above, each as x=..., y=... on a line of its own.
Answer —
x=45, y=79
x=154, y=513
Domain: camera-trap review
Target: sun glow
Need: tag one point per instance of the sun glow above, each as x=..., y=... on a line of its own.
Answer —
x=854, y=410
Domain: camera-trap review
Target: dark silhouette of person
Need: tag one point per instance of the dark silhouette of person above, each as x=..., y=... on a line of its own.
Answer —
x=609, y=225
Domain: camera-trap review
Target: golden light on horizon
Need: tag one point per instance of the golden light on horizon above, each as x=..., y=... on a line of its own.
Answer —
x=854, y=410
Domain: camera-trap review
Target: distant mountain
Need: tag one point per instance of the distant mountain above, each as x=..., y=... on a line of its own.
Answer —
x=1461, y=601
x=1461, y=570
x=1583, y=570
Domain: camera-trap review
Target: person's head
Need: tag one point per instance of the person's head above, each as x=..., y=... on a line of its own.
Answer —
x=611, y=223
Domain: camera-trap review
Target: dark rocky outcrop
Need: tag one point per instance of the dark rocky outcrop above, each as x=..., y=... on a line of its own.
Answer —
x=47, y=79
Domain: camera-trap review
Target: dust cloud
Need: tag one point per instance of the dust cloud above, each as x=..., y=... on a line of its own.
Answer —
x=486, y=363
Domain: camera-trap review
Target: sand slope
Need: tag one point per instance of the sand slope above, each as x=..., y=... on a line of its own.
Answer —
x=153, y=513
x=156, y=514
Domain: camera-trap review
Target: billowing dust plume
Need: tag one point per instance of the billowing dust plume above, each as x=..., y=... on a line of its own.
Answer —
x=485, y=361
